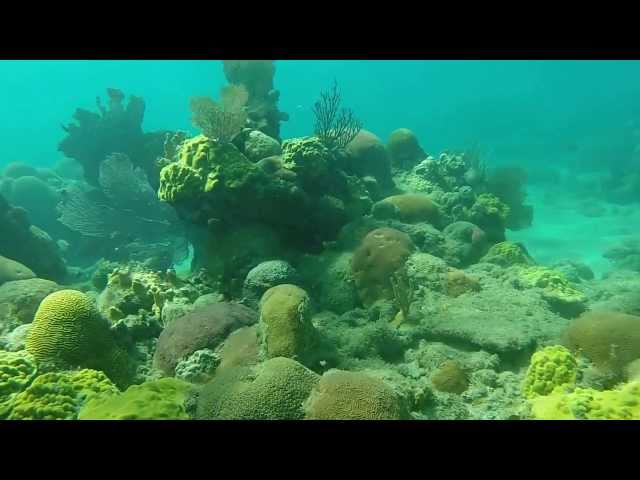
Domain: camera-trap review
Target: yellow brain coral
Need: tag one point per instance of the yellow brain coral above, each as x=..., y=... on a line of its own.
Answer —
x=68, y=332
x=342, y=395
x=550, y=367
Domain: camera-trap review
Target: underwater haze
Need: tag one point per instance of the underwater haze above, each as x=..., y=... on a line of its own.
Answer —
x=446, y=239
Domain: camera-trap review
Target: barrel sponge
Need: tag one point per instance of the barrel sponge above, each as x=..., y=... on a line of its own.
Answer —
x=551, y=367
x=408, y=208
x=623, y=403
x=273, y=390
x=17, y=370
x=59, y=395
x=342, y=395
x=611, y=340
x=68, y=332
x=162, y=399
x=506, y=254
x=380, y=254
x=285, y=322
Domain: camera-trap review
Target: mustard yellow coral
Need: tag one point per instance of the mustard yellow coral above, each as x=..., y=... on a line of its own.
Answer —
x=59, y=396
x=556, y=289
x=622, y=403
x=550, y=367
x=17, y=370
x=507, y=254
x=68, y=332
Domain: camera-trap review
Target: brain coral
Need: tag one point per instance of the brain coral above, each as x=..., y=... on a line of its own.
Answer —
x=162, y=399
x=408, y=208
x=404, y=149
x=450, y=378
x=382, y=253
x=68, y=332
x=273, y=390
x=342, y=395
x=204, y=327
x=285, y=321
x=59, y=396
x=550, y=367
x=611, y=340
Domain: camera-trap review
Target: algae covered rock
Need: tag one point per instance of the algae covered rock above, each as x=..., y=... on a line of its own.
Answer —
x=204, y=327
x=259, y=145
x=11, y=270
x=273, y=390
x=20, y=299
x=342, y=395
x=162, y=399
x=68, y=332
x=285, y=322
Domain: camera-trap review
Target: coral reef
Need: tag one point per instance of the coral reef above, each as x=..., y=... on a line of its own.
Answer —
x=273, y=390
x=59, y=396
x=404, y=149
x=341, y=395
x=508, y=184
x=550, y=368
x=256, y=76
x=162, y=399
x=11, y=270
x=285, y=322
x=382, y=253
x=19, y=301
x=117, y=128
x=204, y=327
x=68, y=332
x=610, y=340
x=25, y=243
x=450, y=378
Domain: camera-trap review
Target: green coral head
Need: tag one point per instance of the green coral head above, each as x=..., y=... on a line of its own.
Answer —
x=550, y=368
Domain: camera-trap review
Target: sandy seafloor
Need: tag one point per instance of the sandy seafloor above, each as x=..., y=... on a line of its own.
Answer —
x=562, y=230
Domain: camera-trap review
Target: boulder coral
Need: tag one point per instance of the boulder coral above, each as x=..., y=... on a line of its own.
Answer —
x=408, y=208
x=19, y=301
x=450, y=378
x=380, y=255
x=205, y=327
x=10, y=270
x=367, y=156
x=611, y=340
x=404, y=149
x=285, y=322
x=273, y=390
x=342, y=395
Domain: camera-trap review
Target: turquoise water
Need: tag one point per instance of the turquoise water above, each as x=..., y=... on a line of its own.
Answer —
x=536, y=114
